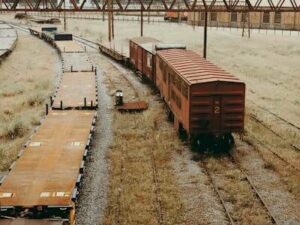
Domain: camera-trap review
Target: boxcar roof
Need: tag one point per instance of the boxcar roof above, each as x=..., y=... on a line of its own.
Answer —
x=143, y=40
x=147, y=43
x=193, y=68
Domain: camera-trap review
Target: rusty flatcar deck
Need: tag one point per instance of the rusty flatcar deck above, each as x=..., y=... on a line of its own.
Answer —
x=77, y=90
x=69, y=46
x=117, y=50
x=21, y=221
x=133, y=106
x=76, y=62
x=47, y=171
x=36, y=31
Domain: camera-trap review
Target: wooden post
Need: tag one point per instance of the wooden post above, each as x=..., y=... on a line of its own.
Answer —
x=249, y=24
x=112, y=25
x=205, y=36
x=142, y=31
x=109, y=20
x=65, y=20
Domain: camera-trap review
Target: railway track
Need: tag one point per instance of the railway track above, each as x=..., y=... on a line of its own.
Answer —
x=277, y=116
x=55, y=185
x=228, y=210
x=267, y=147
x=216, y=189
x=123, y=70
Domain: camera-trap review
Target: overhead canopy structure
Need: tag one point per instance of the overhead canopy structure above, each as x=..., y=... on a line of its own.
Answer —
x=152, y=5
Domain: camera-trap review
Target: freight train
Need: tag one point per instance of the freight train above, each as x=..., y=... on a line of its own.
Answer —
x=43, y=184
x=206, y=103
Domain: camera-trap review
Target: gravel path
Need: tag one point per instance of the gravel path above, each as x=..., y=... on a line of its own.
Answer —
x=202, y=206
x=92, y=200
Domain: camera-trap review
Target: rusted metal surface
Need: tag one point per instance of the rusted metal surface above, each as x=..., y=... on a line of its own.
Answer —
x=202, y=97
x=142, y=51
x=76, y=62
x=47, y=171
x=36, y=31
x=77, y=90
x=193, y=68
x=8, y=40
x=133, y=106
x=157, y=6
x=69, y=46
x=115, y=50
x=20, y=221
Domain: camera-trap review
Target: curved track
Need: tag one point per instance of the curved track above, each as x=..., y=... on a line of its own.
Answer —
x=72, y=115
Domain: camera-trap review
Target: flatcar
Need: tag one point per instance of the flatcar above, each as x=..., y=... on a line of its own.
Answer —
x=206, y=103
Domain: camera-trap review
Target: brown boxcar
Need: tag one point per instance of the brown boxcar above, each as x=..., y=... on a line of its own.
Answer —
x=204, y=100
x=141, y=53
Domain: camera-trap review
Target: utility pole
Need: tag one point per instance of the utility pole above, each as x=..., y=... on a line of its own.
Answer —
x=142, y=28
x=109, y=20
x=249, y=24
x=65, y=20
x=205, y=36
x=112, y=24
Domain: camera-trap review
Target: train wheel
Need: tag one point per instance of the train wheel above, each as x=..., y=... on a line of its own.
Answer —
x=170, y=115
x=228, y=141
x=182, y=132
x=200, y=143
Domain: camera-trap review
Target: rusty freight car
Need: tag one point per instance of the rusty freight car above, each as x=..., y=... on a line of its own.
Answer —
x=206, y=103
x=141, y=51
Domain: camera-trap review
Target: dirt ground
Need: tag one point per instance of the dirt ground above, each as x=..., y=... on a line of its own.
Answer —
x=27, y=79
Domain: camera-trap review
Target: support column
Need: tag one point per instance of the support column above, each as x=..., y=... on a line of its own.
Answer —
x=142, y=21
x=112, y=25
x=65, y=20
x=205, y=36
x=109, y=20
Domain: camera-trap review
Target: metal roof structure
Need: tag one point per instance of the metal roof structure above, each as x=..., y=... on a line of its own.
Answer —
x=151, y=5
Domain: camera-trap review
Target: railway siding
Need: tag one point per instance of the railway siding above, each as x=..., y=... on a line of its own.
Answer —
x=8, y=40
x=54, y=157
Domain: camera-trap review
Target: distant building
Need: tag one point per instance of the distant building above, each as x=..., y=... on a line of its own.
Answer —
x=264, y=20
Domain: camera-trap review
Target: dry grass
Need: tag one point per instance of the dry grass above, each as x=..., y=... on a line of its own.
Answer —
x=142, y=185
x=25, y=88
x=239, y=198
x=257, y=134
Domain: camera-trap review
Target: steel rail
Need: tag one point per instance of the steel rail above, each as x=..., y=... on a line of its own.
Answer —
x=277, y=135
x=258, y=195
x=274, y=153
x=277, y=116
x=216, y=189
